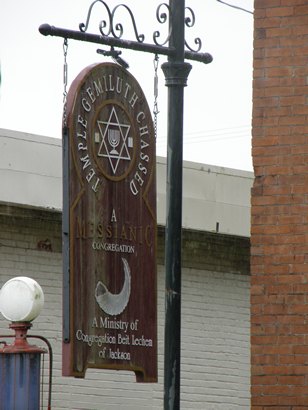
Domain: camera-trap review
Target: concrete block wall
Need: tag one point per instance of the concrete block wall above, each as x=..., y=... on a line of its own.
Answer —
x=279, y=222
x=215, y=319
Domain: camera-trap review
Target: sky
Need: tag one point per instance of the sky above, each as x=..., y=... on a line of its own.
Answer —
x=217, y=99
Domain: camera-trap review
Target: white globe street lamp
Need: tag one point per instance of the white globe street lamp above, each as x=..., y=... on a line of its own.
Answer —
x=21, y=299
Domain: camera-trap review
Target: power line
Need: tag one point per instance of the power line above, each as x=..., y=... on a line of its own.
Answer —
x=235, y=7
x=214, y=135
x=220, y=130
x=224, y=130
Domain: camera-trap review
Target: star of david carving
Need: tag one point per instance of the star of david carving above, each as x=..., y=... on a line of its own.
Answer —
x=115, y=142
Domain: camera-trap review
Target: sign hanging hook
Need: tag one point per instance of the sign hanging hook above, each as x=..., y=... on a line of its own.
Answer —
x=115, y=55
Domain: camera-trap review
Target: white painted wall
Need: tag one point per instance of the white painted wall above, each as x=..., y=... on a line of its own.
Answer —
x=31, y=174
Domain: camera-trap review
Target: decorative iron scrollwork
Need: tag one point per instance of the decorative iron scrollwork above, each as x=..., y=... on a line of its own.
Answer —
x=161, y=18
x=84, y=27
x=109, y=26
x=190, y=22
x=119, y=26
x=113, y=28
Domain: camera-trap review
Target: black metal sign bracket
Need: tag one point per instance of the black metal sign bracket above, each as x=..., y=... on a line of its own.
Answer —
x=176, y=72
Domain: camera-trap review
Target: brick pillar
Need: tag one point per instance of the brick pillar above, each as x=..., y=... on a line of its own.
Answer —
x=279, y=224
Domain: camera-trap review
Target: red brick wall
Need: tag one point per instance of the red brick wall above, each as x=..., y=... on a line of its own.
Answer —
x=279, y=230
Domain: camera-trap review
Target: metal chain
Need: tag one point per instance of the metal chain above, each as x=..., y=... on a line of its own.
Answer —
x=155, y=108
x=65, y=48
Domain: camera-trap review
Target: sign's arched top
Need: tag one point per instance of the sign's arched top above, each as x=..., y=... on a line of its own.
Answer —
x=112, y=127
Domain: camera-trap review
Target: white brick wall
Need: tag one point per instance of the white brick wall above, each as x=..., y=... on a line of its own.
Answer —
x=215, y=336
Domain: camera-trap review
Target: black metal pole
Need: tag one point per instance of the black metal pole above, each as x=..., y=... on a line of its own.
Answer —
x=176, y=72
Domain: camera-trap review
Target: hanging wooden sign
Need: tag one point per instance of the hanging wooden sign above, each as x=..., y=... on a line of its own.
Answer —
x=110, y=308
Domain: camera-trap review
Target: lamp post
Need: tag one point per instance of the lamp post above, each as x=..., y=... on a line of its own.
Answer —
x=21, y=301
x=176, y=72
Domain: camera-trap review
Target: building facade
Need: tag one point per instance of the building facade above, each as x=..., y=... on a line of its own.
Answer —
x=215, y=362
x=279, y=211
